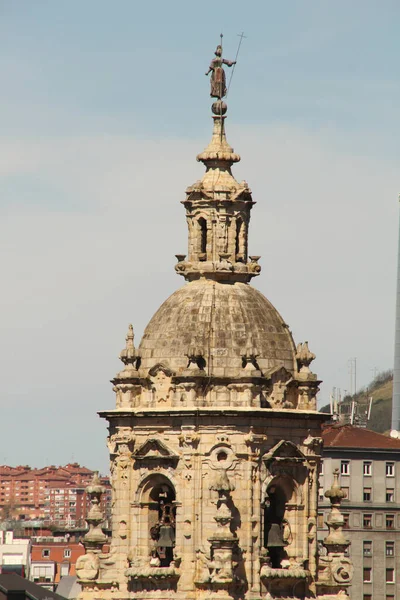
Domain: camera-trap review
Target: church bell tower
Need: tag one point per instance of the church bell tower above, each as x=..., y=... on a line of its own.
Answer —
x=215, y=437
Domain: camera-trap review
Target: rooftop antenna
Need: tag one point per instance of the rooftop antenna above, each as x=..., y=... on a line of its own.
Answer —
x=369, y=409
x=352, y=362
x=331, y=401
x=353, y=406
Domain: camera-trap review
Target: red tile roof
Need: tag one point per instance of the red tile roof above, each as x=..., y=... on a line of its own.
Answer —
x=349, y=436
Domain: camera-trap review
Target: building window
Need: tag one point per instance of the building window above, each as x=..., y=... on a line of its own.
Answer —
x=389, y=597
x=367, y=521
x=389, y=575
x=367, y=548
x=389, y=546
x=367, y=469
x=367, y=596
x=367, y=494
x=389, y=469
x=45, y=553
x=345, y=467
x=321, y=467
x=321, y=494
x=367, y=574
x=320, y=522
x=389, y=521
x=389, y=495
x=346, y=520
x=67, y=553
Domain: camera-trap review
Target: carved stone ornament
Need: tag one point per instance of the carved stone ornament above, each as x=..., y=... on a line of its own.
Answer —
x=129, y=357
x=255, y=439
x=304, y=357
x=155, y=450
x=313, y=444
x=161, y=384
x=88, y=566
x=188, y=437
x=335, y=570
x=122, y=437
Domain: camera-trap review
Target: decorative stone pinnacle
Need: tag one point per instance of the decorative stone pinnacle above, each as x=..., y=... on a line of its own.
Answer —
x=335, y=570
x=95, y=538
x=335, y=540
x=304, y=357
x=128, y=354
x=335, y=493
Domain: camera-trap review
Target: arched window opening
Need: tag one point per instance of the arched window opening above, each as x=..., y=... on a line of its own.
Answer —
x=239, y=249
x=162, y=524
x=203, y=235
x=275, y=522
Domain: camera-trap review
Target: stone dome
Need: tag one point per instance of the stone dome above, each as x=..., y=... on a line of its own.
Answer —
x=223, y=319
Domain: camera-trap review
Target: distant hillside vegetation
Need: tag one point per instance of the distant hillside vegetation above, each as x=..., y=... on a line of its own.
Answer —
x=381, y=390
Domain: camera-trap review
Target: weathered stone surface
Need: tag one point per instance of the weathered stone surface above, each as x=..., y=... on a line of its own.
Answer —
x=223, y=320
x=215, y=439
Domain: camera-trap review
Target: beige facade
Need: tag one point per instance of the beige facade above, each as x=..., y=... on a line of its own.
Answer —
x=370, y=478
x=215, y=438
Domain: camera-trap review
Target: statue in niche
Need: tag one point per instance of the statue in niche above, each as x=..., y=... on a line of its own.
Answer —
x=274, y=523
x=218, y=80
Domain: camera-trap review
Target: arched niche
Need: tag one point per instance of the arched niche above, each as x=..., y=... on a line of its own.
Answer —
x=279, y=491
x=157, y=519
x=240, y=240
x=202, y=236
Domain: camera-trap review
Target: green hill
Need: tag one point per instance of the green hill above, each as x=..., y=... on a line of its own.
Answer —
x=381, y=391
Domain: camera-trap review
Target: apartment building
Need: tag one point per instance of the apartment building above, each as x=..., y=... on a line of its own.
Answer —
x=53, y=558
x=15, y=554
x=55, y=495
x=369, y=465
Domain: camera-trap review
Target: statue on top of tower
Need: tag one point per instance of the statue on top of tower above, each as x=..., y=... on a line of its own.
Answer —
x=218, y=80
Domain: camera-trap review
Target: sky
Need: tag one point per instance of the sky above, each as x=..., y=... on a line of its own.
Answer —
x=104, y=107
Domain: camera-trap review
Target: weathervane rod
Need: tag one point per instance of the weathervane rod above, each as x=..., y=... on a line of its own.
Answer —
x=241, y=35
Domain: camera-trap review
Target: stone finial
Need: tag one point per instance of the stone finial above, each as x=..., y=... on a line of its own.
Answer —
x=95, y=538
x=335, y=569
x=304, y=357
x=128, y=354
x=335, y=492
x=335, y=521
